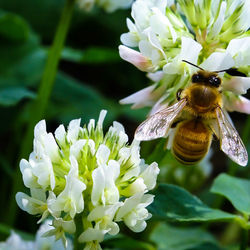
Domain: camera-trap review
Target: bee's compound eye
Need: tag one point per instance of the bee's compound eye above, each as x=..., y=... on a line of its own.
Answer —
x=197, y=78
x=214, y=81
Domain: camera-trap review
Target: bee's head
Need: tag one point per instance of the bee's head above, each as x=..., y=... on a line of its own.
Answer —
x=211, y=78
x=206, y=77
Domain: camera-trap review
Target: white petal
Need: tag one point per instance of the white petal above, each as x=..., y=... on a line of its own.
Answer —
x=40, y=129
x=129, y=39
x=102, y=154
x=29, y=179
x=140, y=99
x=147, y=199
x=98, y=177
x=29, y=204
x=77, y=147
x=113, y=5
x=137, y=186
x=136, y=58
x=70, y=200
x=173, y=67
x=91, y=125
x=118, y=127
x=51, y=147
x=159, y=105
x=153, y=39
x=238, y=85
x=139, y=226
x=15, y=242
x=114, y=228
x=239, y=44
x=156, y=76
x=101, y=211
x=218, y=61
x=92, y=234
x=91, y=145
x=190, y=50
x=238, y=49
x=67, y=226
x=114, y=168
x=131, y=25
x=73, y=130
x=101, y=118
x=150, y=174
x=45, y=173
x=129, y=204
x=38, y=194
x=161, y=25
x=240, y=104
x=87, y=5
x=111, y=194
x=217, y=25
x=60, y=135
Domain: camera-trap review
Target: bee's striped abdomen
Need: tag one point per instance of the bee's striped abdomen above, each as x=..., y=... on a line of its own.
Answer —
x=191, y=142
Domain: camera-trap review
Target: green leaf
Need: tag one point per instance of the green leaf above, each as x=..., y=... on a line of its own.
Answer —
x=5, y=166
x=73, y=99
x=205, y=246
x=123, y=242
x=13, y=27
x=18, y=61
x=174, y=238
x=91, y=55
x=176, y=204
x=6, y=230
x=234, y=189
x=12, y=95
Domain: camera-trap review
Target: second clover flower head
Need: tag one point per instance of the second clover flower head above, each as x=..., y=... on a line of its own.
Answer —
x=82, y=171
x=107, y=5
x=211, y=34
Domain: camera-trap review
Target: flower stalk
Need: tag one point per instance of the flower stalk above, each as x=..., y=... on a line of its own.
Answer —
x=79, y=230
x=244, y=239
x=49, y=75
x=39, y=106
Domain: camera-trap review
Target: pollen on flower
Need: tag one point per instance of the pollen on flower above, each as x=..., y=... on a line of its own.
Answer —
x=84, y=171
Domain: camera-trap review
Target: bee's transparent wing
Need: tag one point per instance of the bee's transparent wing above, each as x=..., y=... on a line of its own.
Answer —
x=230, y=141
x=157, y=125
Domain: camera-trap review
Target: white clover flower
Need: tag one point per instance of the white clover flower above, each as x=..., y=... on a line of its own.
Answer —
x=133, y=211
x=211, y=34
x=107, y=5
x=15, y=242
x=89, y=174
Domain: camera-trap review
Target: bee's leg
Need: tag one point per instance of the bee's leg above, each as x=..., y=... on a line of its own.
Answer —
x=175, y=124
x=215, y=138
x=178, y=94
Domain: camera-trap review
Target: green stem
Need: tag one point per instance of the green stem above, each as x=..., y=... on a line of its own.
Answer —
x=79, y=230
x=39, y=106
x=49, y=75
x=244, y=239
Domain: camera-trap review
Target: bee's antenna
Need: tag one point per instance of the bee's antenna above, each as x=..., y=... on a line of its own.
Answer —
x=232, y=72
x=193, y=64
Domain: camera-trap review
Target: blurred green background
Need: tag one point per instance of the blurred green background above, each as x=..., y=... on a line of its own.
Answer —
x=91, y=77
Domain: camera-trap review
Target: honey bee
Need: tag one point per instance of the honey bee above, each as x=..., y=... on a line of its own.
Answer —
x=198, y=115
